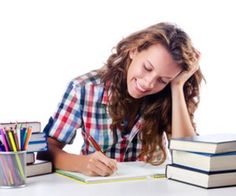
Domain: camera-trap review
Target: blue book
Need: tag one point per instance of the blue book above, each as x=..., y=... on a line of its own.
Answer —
x=37, y=146
x=39, y=136
x=38, y=142
x=214, y=143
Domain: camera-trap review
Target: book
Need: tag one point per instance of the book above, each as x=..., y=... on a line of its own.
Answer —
x=37, y=142
x=38, y=136
x=201, y=178
x=36, y=125
x=39, y=167
x=30, y=158
x=37, y=146
x=214, y=143
x=126, y=171
x=205, y=161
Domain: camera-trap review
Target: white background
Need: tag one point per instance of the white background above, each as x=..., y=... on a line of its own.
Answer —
x=44, y=44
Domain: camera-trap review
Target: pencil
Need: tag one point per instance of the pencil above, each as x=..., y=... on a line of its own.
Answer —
x=16, y=140
x=93, y=142
x=18, y=127
x=4, y=140
x=28, y=135
x=97, y=147
x=17, y=157
x=3, y=171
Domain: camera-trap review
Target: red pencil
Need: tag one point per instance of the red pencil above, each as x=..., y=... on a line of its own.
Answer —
x=93, y=142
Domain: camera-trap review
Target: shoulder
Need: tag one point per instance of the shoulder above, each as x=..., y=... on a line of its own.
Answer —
x=91, y=78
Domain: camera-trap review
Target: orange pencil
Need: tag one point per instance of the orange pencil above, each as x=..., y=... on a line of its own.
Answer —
x=26, y=142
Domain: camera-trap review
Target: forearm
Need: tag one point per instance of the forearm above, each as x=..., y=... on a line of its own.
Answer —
x=181, y=122
x=94, y=164
x=64, y=160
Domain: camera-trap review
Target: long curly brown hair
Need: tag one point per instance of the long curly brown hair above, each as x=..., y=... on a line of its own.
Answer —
x=156, y=109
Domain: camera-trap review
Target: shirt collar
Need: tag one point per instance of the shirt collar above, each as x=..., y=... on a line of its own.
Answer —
x=106, y=93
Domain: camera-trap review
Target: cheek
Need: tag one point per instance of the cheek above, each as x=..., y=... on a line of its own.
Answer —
x=134, y=71
x=158, y=88
x=136, y=66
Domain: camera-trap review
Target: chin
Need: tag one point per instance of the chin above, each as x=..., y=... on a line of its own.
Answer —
x=135, y=95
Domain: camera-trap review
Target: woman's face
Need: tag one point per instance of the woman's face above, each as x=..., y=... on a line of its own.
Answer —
x=150, y=71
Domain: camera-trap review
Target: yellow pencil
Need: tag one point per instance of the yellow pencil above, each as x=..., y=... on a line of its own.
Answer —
x=17, y=157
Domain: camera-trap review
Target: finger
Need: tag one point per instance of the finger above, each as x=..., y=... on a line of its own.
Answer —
x=101, y=169
x=96, y=167
x=105, y=165
x=198, y=54
x=195, y=67
x=111, y=163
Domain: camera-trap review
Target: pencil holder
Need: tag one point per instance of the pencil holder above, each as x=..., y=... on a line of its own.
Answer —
x=12, y=169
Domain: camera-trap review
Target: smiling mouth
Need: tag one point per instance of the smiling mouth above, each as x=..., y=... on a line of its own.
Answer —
x=140, y=88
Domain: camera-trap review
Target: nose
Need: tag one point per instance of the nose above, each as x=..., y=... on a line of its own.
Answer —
x=149, y=82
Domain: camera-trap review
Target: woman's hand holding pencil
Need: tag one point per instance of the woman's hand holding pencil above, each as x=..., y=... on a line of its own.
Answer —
x=98, y=164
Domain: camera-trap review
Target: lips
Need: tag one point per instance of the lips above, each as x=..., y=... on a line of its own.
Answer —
x=140, y=88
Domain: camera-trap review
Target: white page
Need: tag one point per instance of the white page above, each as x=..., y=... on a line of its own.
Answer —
x=126, y=170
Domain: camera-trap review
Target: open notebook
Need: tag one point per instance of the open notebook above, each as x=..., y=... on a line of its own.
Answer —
x=126, y=171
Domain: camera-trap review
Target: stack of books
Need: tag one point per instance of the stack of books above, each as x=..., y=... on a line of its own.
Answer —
x=37, y=143
x=207, y=161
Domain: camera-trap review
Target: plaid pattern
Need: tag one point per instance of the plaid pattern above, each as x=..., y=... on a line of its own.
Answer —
x=84, y=105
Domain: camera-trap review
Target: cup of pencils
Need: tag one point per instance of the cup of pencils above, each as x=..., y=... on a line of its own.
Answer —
x=13, y=157
x=12, y=172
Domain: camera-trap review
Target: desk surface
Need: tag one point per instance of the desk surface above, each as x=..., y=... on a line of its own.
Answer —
x=54, y=184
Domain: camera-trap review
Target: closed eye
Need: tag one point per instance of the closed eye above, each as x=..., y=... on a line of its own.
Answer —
x=147, y=68
x=162, y=81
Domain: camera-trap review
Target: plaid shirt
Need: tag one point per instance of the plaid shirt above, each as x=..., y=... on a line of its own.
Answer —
x=85, y=106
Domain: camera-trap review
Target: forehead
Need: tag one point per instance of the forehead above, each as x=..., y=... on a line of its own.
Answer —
x=160, y=58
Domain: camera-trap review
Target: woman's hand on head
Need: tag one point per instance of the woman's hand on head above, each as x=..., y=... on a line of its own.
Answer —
x=183, y=76
x=97, y=164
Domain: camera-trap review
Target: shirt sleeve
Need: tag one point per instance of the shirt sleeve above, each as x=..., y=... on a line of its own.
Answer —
x=67, y=119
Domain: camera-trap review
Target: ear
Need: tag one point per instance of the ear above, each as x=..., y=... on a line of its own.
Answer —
x=132, y=53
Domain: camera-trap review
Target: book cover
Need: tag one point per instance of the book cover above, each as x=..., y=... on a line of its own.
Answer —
x=214, y=143
x=38, y=136
x=38, y=142
x=36, y=125
x=30, y=158
x=205, y=161
x=201, y=178
x=126, y=171
x=37, y=146
x=39, y=167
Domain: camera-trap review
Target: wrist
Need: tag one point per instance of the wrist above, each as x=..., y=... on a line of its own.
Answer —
x=177, y=86
x=80, y=163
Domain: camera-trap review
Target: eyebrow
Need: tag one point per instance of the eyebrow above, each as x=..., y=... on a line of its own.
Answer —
x=167, y=77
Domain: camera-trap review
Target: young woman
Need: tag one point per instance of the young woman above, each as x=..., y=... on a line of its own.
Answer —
x=148, y=87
